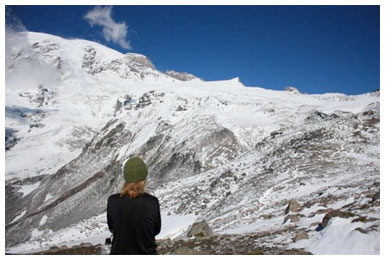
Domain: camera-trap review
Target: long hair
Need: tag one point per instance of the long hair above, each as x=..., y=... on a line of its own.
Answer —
x=133, y=189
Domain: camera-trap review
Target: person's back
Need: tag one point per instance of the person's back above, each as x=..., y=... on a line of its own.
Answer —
x=133, y=216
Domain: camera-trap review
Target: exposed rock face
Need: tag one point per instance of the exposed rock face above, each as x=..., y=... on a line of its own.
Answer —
x=188, y=157
x=41, y=97
x=139, y=62
x=32, y=117
x=90, y=62
x=335, y=213
x=183, y=76
x=10, y=138
x=71, y=188
x=51, y=51
x=131, y=65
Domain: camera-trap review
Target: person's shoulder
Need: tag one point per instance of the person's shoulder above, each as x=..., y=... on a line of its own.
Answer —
x=150, y=197
x=114, y=197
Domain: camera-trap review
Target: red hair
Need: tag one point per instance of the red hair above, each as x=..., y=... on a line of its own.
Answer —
x=133, y=189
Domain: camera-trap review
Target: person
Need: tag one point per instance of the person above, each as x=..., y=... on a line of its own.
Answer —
x=133, y=216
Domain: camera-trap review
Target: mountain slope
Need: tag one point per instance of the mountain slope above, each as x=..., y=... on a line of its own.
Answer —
x=229, y=154
x=59, y=93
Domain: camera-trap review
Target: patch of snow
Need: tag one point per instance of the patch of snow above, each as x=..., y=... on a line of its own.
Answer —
x=259, y=225
x=36, y=233
x=340, y=237
x=175, y=225
x=28, y=188
x=43, y=220
x=19, y=216
x=48, y=197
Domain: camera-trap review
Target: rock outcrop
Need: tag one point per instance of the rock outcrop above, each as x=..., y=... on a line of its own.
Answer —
x=200, y=229
x=183, y=76
x=293, y=206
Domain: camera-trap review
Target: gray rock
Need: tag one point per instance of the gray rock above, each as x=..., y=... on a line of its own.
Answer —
x=184, y=250
x=292, y=89
x=293, y=218
x=293, y=206
x=200, y=229
x=300, y=236
x=376, y=197
x=335, y=213
x=183, y=76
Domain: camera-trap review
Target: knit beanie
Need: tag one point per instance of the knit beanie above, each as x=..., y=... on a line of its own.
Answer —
x=135, y=170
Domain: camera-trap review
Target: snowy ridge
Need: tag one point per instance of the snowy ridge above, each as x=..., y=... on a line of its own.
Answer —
x=217, y=151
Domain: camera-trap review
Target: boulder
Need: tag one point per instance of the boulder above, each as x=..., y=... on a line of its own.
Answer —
x=200, y=229
x=293, y=218
x=314, y=224
x=335, y=213
x=300, y=236
x=293, y=206
x=363, y=231
x=322, y=211
x=376, y=197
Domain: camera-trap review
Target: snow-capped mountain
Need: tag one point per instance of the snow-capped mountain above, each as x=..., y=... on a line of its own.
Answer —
x=217, y=151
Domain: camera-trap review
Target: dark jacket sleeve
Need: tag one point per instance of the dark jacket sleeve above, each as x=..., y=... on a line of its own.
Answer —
x=109, y=214
x=158, y=222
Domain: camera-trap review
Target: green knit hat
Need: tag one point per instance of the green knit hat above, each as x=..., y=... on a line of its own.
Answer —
x=135, y=170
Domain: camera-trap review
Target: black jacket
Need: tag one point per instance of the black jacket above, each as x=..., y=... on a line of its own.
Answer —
x=134, y=223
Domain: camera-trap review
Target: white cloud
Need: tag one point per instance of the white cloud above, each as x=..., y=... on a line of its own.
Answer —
x=112, y=31
x=12, y=23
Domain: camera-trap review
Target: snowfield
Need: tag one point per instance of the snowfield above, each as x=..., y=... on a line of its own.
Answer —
x=231, y=155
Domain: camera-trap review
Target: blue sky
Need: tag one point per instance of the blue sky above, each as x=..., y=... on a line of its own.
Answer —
x=317, y=49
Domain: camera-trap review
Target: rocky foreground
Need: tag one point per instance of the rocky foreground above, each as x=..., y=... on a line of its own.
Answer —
x=213, y=245
x=201, y=240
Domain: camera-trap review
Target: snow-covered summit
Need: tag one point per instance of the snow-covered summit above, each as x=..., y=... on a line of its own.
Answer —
x=74, y=55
